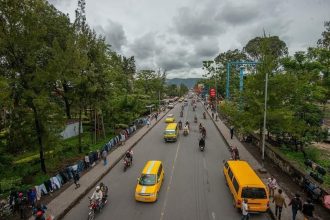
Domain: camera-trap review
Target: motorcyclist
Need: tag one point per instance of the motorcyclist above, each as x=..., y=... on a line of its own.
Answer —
x=97, y=196
x=187, y=124
x=203, y=132
x=180, y=124
x=234, y=153
x=201, y=142
x=104, y=190
x=186, y=129
x=129, y=156
x=200, y=127
x=181, y=114
x=195, y=118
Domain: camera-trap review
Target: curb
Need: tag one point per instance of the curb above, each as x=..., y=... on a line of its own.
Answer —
x=270, y=212
x=74, y=202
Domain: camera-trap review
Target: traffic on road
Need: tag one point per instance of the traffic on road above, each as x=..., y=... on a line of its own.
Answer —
x=173, y=179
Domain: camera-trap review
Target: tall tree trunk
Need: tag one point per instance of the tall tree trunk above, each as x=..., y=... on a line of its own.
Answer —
x=39, y=136
x=67, y=107
x=66, y=101
x=79, y=129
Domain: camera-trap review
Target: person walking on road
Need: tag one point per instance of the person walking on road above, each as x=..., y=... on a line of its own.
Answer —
x=231, y=132
x=296, y=205
x=308, y=209
x=245, y=208
x=104, y=156
x=279, y=203
x=272, y=185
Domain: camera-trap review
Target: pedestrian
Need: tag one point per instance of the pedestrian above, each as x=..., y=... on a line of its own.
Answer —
x=122, y=138
x=279, y=203
x=231, y=132
x=296, y=205
x=39, y=211
x=308, y=209
x=76, y=178
x=272, y=185
x=148, y=122
x=156, y=116
x=212, y=115
x=22, y=205
x=245, y=209
x=87, y=161
x=216, y=116
x=104, y=156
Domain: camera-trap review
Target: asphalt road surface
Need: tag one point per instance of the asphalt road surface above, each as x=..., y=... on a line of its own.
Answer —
x=194, y=187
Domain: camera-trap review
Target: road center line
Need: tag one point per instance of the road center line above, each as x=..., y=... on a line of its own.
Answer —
x=171, y=177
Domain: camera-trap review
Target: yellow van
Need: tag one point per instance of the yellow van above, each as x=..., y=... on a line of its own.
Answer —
x=150, y=181
x=244, y=183
x=171, y=132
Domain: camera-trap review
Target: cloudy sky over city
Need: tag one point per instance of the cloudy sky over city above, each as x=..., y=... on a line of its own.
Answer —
x=177, y=35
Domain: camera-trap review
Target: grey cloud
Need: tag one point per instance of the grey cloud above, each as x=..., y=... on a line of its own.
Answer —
x=145, y=46
x=195, y=25
x=114, y=34
x=170, y=63
x=207, y=48
x=237, y=15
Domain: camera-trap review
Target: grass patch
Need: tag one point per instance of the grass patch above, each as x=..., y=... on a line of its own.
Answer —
x=319, y=156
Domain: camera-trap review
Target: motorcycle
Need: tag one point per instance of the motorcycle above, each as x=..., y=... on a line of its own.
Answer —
x=95, y=207
x=127, y=164
x=180, y=126
x=185, y=132
x=195, y=119
x=181, y=114
x=202, y=144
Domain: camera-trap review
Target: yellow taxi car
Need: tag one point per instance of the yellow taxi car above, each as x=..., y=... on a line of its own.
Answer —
x=150, y=182
x=170, y=118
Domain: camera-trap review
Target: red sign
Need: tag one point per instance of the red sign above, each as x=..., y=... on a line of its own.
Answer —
x=212, y=92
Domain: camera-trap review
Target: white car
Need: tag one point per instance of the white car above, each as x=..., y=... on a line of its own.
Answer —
x=170, y=106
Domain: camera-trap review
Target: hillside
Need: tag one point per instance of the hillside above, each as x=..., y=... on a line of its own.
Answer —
x=189, y=82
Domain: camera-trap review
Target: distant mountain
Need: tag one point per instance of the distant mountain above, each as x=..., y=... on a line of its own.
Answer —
x=189, y=82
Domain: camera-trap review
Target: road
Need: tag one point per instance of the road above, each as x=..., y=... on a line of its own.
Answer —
x=194, y=187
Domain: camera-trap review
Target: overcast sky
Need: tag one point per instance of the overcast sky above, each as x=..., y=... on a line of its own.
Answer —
x=177, y=35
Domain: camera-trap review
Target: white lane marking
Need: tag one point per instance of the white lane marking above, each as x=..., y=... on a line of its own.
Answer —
x=170, y=183
x=213, y=215
x=171, y=177
x=204, y=163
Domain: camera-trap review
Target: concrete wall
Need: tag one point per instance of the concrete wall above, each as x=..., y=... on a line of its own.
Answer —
x=71, y=130
x=285, y=165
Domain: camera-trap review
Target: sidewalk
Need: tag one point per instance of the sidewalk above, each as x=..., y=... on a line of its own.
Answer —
x=60, y=205
x=245, y=155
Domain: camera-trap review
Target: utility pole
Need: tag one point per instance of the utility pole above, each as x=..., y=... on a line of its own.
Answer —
x=264, y=127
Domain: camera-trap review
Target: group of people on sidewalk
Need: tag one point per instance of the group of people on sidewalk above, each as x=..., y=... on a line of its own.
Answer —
x=296, y=203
